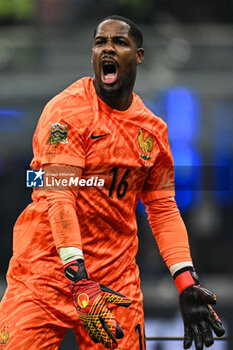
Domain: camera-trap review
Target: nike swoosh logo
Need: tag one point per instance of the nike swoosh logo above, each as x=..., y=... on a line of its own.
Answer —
x=94, y=137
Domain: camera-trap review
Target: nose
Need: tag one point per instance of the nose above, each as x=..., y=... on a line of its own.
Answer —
x=109, y=47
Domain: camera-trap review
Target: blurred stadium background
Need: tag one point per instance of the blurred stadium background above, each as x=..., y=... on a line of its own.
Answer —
x=186, y=78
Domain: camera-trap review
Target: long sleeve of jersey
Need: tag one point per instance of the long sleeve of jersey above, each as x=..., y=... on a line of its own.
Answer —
x=169, y=230
x=62, y=209
x=59, y=143
x=63, y=219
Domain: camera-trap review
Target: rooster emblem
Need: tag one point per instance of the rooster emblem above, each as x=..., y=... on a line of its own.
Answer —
x=4, y=336
x=145, y=145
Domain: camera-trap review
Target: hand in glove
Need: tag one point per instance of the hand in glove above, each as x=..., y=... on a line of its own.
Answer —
x=90, y=300
x=196, y=309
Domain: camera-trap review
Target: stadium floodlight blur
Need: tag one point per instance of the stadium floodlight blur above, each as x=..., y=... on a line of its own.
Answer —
x=17, y=11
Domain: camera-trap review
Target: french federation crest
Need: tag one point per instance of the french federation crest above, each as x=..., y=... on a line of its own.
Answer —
x=58, y=134
x=145, y=143
x=4, y=335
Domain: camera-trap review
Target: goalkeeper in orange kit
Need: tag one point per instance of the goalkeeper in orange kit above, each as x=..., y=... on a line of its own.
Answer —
x=73, y=263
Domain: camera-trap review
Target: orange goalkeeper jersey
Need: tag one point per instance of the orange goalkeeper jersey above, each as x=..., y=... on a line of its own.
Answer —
x=128, y=149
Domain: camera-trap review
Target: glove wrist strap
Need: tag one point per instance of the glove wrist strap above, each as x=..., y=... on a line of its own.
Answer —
x=75, y=271
x=183, y=280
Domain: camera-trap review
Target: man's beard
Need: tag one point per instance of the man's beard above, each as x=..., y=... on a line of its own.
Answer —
x=111, y=94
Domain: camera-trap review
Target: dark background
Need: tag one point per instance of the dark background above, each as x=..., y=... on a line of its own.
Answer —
x=186, y=78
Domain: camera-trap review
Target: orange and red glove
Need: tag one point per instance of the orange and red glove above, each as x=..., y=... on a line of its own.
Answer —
x=90, y=300
x=196, y=309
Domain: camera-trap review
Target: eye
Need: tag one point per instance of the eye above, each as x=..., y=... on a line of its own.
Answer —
x=121, y=42
x=99, y=42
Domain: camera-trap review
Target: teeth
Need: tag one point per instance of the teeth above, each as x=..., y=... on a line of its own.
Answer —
x=109, y=76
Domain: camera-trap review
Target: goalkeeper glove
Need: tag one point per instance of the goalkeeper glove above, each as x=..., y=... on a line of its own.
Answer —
x=90, y=301
x=196, y=310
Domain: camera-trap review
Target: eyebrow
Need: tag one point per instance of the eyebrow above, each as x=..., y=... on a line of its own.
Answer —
x=118, y=36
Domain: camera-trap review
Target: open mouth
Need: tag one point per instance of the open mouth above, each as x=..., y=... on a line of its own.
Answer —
x=108, y=72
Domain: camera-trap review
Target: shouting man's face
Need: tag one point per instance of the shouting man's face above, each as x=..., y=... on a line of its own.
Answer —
x=115, y=56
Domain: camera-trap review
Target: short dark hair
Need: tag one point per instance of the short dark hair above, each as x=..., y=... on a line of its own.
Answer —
x=134, y=30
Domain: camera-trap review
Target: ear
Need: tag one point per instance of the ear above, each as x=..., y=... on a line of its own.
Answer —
x=139, y=55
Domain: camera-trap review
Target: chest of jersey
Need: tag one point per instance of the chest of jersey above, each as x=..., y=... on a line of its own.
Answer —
x=116, y=142
x=120, y=149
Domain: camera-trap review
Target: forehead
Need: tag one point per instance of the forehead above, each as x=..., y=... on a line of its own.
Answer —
x=113, y=27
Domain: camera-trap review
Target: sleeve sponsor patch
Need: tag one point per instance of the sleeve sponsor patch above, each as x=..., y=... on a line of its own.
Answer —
x=58, y=134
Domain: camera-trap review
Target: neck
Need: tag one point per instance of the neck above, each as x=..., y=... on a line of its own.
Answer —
x=121, y=102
